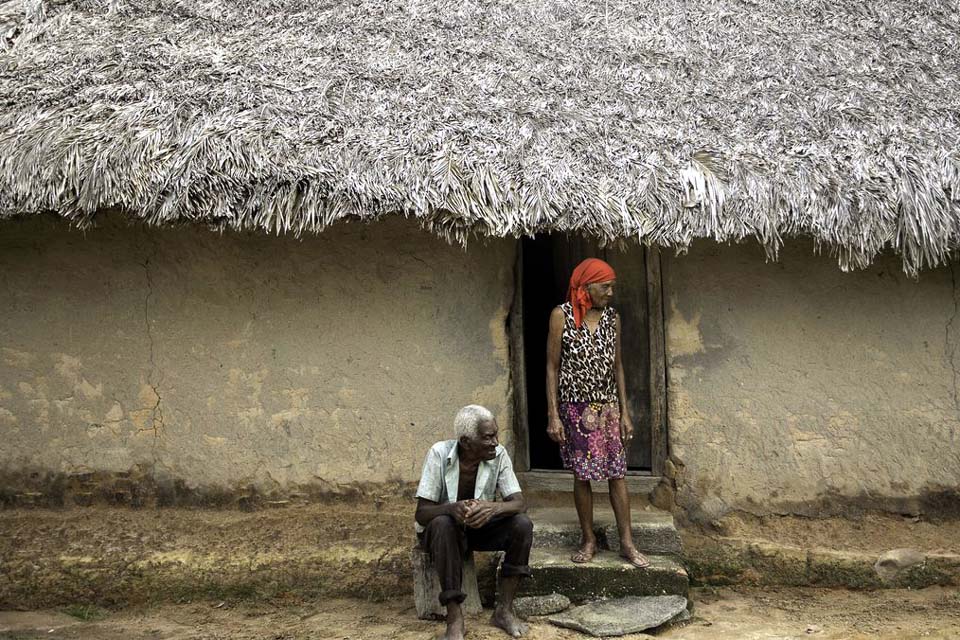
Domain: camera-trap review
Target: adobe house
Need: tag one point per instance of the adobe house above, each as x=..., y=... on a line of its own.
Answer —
x=270, y=249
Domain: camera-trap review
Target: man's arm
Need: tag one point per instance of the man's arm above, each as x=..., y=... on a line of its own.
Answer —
x=427, y=510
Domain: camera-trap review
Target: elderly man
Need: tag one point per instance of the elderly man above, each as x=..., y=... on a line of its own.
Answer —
x=457, y=510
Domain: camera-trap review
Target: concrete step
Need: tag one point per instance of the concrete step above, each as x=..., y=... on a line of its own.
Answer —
x=606, y=576
x=653, y=531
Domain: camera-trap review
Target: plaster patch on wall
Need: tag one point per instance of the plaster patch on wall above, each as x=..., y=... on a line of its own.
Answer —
x=499, y=337
x=16, y=358
x=684, y=414
x=347, y=398
x=683, y=335
x=243, y=338
x=115, y=414
x=298, y=397
x=283, y=419
x=145, y=419
x=69, y=368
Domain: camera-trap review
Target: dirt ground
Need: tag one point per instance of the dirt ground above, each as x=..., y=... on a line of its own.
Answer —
x=340, y=571
x=721, y=614
x=117, y=557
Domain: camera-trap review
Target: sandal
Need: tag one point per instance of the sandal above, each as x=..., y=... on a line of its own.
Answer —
x=585, y=553
x=636, y=559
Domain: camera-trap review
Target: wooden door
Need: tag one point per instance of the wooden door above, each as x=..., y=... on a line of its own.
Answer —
x=547, y=262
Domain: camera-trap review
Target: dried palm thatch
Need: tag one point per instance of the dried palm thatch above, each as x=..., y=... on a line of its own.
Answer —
x=660, y=120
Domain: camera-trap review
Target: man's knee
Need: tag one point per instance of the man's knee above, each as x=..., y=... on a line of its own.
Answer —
x=522, y=525
x=442, y=525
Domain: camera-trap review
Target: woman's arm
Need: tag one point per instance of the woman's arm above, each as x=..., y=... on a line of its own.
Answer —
x=554, y=426
x=626, y=425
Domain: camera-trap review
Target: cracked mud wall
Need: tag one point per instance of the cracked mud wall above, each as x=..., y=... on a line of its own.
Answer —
x=225, y=359
x=797, y=388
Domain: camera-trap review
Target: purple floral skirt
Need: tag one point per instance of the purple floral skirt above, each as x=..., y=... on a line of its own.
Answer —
x=592, y=448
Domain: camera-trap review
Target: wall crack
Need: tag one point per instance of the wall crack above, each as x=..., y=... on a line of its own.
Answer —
x=154, y=374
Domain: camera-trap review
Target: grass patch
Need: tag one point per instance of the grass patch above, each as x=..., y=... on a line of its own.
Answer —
x=85, y=612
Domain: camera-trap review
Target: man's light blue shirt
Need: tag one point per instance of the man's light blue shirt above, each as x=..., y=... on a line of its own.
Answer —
x=440, y=479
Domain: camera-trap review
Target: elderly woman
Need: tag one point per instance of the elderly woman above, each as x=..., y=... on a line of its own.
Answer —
x=587, y=403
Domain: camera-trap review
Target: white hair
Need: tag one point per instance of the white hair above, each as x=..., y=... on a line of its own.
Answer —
x=468, y=420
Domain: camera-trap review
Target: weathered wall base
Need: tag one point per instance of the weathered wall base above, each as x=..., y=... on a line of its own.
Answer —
x=141, y=487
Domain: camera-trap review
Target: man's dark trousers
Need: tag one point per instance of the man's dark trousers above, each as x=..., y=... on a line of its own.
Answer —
x=448, y=541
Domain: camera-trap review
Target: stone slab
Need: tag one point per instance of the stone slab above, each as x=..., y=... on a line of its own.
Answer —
x=621, y=616
x=607, y=576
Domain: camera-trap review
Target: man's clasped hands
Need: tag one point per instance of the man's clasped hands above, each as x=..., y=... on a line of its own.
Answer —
x=476, y=513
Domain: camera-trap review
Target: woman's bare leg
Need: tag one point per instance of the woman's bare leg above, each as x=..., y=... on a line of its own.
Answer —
x=583, y=499
x=620, y=501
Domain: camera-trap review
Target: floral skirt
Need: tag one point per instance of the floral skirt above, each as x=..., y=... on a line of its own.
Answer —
x=592, y=448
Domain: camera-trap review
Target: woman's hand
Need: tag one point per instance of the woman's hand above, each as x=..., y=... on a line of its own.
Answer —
x=626, y=431
x=555, y=429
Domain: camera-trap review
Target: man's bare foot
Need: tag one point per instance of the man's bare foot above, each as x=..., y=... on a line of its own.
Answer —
x=454, y=632
x=456, y=627
x=507, y=620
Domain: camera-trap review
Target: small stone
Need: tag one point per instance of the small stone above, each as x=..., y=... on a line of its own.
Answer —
x=669, y=469
x=540, y=605
x=621, y=616
x=894, y=562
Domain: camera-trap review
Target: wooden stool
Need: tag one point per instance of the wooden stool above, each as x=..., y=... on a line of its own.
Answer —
x=426, y=586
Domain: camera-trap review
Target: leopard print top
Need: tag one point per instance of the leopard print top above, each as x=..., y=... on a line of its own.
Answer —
x=586, y=360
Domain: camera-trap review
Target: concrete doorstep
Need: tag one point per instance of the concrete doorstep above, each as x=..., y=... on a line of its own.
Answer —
x=606, y=576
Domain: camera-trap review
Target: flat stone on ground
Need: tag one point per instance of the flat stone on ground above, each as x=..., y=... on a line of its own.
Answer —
x=621, y=616
x=894, y=562
x=540, y=605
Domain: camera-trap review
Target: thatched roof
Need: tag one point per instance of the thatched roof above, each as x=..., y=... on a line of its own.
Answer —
x=662, y=120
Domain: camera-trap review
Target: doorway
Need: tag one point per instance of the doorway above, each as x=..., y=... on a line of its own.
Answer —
x=544, y=266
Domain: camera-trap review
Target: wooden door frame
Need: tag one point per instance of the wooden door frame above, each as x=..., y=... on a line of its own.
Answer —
x=659, y=442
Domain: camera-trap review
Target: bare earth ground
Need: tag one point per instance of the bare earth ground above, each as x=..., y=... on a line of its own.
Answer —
x=340, y=571
x=724, y=614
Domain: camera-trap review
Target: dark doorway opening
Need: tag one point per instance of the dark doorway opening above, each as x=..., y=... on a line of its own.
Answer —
x=548, y=261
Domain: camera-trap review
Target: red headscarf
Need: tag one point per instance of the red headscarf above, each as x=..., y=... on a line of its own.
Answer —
x=587, y=272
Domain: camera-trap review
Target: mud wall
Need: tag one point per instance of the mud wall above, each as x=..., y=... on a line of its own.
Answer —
x=797, y=388
x=223, y=360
